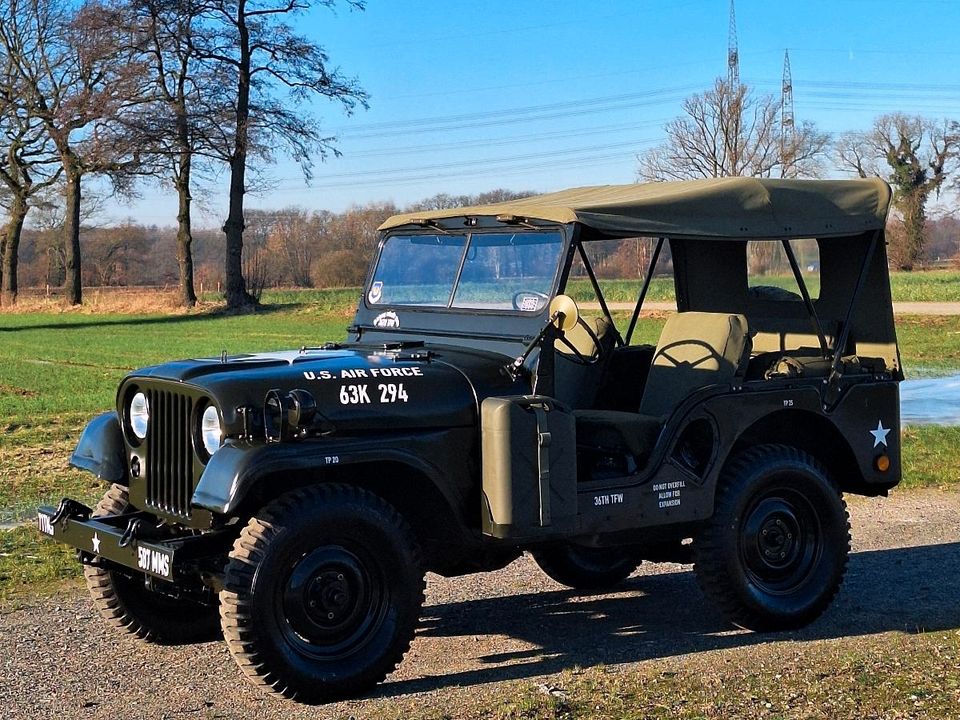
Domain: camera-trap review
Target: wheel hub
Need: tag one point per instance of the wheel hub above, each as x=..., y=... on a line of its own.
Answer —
x=778, y=539
x=330, y=597
x=779, y=542
x=330, y=600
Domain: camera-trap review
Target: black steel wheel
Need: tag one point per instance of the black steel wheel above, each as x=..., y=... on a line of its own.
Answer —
x=322, y=593
x=774, y=553
x=126, y=604
x=586, y=568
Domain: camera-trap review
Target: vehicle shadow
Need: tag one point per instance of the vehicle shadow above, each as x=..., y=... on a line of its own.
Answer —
x=658, y=616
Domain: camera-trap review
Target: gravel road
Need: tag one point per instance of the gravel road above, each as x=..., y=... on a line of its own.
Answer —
x=57, y=660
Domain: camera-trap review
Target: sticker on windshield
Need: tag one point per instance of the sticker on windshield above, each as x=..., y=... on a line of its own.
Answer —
x=376, y=292
x=387, y=319
x=529, y=303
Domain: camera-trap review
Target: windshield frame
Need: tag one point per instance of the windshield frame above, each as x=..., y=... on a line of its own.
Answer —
x=451, y=308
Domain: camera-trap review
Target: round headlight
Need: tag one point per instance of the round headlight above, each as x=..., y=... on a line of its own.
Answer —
x=210, y=432
x=139, y=415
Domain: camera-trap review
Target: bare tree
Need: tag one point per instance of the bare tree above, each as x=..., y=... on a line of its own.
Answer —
x=730, y=131
x=274, y=69
x=179, y=126
x=295, y=242
x=441, y=201
x=77, y=78
x=347, y=241
x=27, y=168
x=916, y=155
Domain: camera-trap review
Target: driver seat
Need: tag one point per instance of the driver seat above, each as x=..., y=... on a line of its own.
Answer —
x=576, y=383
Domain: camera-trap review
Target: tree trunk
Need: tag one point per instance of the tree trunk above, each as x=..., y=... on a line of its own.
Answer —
x=11, y=249
x=188, y=297
x=71, y=229
x=236, y=290
x=914, y=221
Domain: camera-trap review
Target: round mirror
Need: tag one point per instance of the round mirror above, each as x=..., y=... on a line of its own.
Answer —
x=566, y=306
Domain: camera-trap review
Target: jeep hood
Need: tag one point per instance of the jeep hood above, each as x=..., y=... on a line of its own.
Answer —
x=356, y=388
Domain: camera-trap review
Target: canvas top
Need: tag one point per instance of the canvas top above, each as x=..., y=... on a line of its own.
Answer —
x=723, y=208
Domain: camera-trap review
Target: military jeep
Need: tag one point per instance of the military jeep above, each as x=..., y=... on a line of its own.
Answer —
x=294, y=500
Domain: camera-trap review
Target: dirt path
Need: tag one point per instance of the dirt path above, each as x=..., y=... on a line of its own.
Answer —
x=58, y=660
x=899, y=308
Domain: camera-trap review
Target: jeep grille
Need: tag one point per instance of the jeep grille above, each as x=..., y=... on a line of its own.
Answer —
x=170, y=453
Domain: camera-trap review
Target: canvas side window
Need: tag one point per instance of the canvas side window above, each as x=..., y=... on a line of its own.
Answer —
x=620, y=266
x=768, y=269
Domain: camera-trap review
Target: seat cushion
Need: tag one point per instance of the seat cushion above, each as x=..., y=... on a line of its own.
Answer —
x=575, y=383
x=618, y=431
x=584, y=342
x=696, y=349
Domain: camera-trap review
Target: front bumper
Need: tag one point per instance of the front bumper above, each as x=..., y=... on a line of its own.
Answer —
x=128, y=540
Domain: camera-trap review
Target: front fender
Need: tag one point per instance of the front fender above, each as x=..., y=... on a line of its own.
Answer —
x=101, y=449
x=236, y=468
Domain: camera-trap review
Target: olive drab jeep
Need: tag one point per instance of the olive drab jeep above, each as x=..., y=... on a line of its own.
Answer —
x=294, y=500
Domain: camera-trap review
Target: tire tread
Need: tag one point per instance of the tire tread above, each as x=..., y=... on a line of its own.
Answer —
x=249, y=550
x=117, y=614
x=710, y=556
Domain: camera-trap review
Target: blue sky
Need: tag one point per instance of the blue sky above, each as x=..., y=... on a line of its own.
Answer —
x=540, y=95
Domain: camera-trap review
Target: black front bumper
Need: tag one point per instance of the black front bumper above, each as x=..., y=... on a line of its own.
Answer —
x=119, y=539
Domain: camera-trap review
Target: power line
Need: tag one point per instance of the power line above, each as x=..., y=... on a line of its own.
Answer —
x=476, y=171
x=388, y=174
x=487, y=142
x=515, y=114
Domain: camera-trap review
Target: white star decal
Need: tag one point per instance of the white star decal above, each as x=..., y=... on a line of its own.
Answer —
x=96, y=543
x=880, y=434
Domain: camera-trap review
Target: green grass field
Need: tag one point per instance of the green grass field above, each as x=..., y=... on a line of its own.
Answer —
x=927, y=286
x=59, y=369
x=931, y=286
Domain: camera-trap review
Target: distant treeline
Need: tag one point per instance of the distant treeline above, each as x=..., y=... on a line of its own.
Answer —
x=293, y=247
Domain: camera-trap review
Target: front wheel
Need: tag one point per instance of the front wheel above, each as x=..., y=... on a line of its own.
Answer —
x=124, y=601
x=322, y=593
x=586, y=568
x=775, y=551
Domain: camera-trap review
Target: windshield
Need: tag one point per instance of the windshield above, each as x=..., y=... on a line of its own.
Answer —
x=482, y=271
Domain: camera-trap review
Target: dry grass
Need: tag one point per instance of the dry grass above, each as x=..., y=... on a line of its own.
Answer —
x=876, y=677
x=126, y=301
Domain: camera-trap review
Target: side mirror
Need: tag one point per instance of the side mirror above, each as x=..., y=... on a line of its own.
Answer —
x=564, y=312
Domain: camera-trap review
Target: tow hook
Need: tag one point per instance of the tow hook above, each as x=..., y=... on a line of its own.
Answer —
x=130, y=534
x=70, y=509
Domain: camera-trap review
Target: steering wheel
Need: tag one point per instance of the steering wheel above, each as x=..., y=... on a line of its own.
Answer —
x=524, y=297
x=578, y=357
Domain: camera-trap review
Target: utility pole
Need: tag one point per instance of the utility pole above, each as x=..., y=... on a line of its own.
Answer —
x=733, y=54
x=787, y=126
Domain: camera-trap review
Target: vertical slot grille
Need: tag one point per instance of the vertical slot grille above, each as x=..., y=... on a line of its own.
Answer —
x=169, y=453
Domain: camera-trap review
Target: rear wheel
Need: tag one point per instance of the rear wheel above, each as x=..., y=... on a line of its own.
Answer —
x=586, y=568
x=775, y=551
x=322, y=593
x=125, y=602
